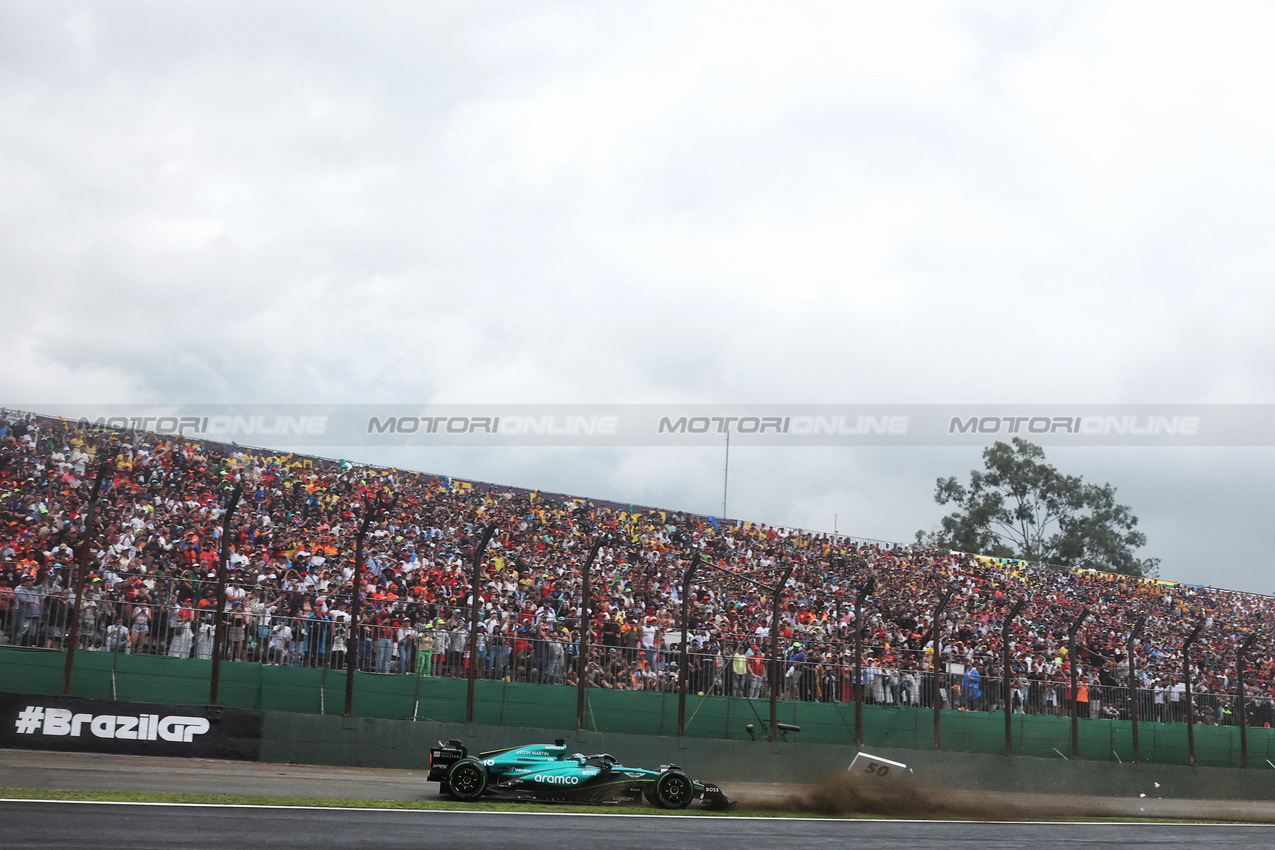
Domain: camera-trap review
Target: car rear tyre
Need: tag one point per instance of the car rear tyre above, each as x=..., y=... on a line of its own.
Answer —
x=673, y=790
x=467, y=779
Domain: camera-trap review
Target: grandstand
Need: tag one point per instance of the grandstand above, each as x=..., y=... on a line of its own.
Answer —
x=154, y=553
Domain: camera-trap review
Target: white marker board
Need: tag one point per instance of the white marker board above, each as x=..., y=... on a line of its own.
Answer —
x=866, y=764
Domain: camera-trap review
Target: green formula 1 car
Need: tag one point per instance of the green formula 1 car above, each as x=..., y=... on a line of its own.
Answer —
x=545, y=773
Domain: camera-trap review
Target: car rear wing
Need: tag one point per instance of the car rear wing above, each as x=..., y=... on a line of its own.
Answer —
x=443, y=757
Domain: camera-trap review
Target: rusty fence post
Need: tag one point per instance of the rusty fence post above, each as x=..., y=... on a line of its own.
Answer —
x=935, y=661
x=1074, y=663
x=1005, y=677
x=219, y=616
x=1133, y=685
x=474, y=603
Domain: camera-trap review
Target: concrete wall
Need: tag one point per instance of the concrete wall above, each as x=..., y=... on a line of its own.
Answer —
x=310, y=739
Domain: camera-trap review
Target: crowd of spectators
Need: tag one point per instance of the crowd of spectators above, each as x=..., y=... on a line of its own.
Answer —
x=153, y=559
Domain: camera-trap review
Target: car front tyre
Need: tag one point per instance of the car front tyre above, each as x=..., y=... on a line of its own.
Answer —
x=673, y=790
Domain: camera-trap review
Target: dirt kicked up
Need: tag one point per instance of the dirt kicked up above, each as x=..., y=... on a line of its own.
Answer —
x=910, y=797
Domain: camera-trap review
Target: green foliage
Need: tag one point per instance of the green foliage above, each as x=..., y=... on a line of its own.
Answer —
x=1019, y=506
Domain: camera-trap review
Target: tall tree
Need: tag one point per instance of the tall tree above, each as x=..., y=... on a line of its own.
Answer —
x=1019, y=506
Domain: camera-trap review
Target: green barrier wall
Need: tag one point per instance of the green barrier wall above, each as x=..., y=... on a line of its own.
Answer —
x=370, y=742
x=304, y=691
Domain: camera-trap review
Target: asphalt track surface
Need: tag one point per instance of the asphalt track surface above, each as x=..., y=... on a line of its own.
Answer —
x=134, y=826
x=96, y=772
x=88, y=825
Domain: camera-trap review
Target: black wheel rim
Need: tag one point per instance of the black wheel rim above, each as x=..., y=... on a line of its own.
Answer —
x=466, y=780
x=675, y=789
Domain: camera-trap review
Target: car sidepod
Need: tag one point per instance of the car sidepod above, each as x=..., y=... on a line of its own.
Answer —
x=574, y=780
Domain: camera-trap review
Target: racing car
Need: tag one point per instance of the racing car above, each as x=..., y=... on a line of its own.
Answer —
x=546, y=773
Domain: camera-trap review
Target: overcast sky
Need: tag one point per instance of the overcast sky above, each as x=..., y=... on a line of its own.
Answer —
x=1026, y=202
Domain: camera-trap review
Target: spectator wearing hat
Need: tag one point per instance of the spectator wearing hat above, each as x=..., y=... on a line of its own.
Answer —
x=555, y=658
x=280, y=640
x=405, y=646
x=757, y=685
x=457, y=646
x=383, y=636
x=502, y=649
x=316, y=636
x=86, y=610
x=340, y=637
x=116, y=636
x=794, y=672
x=236, y=634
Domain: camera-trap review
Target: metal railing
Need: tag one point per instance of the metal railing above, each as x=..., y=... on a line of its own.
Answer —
x=551, y=657
x=398, y=647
